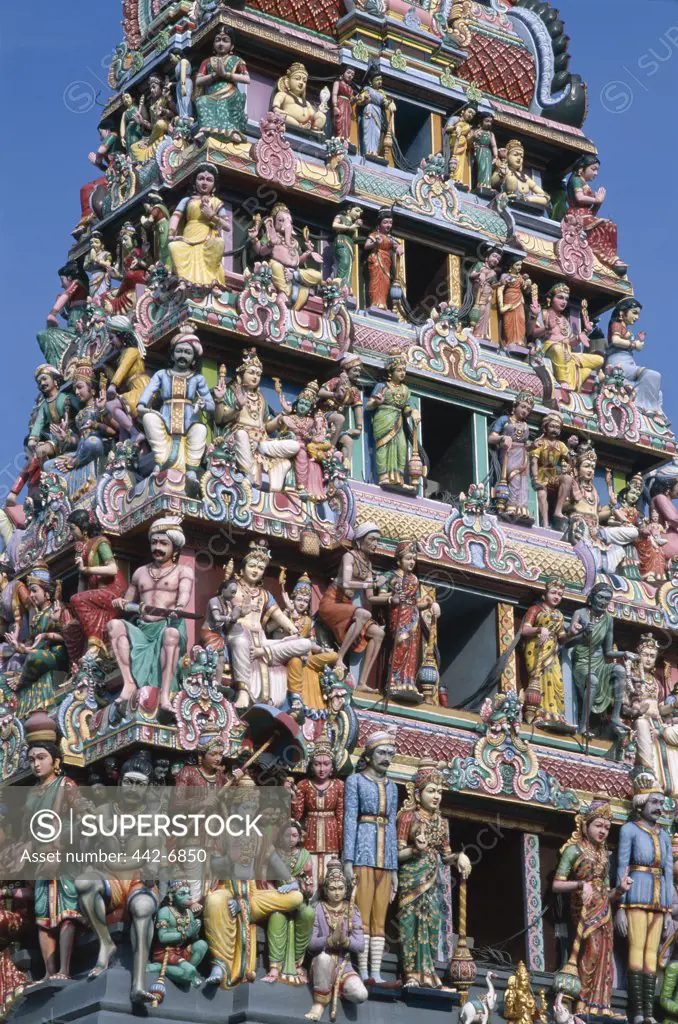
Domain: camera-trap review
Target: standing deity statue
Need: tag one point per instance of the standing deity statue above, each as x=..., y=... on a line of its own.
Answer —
x=543, y=632
x=241, y=408
x=129, y=380
x=176, y=433
x=130, y=892
x=258, y=663
x=148, y=651
x=337, y=932
x=318, y=802
x=571, y=369
x=511, y=179
x=550, y=458
x=198, y=252
x=345, y=608
x=622, y=343
x=290, y=269
x=394, y=422
x=510, y=435
x=100, y=583
x=289, y=99
x=336, y=397
x=384, y=252
x=458, y=145
x=601, y=234
x=343, y=100
x=346, y=226
x=484, y=278
x=584, y=873
x=424, y=852
x=485, y=154
x=183, y=90
x=513, y=288
x=222, y=613
x=377, y=117
x=644, y=855
x=219, y=101
x=371, y=846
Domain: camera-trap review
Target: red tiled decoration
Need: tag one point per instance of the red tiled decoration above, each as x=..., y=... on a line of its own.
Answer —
x=321, y=15
x=500, y=68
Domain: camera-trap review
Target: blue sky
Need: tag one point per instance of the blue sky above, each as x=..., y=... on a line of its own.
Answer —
x=54, y=58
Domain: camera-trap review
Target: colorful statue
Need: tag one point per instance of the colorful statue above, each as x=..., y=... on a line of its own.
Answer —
x=484, y=278
x=651, y=547
x=511, y=179
x=155, y=221
x=510, y=434
x=343, y=99
x=371, y=846
x=597, y=668
x=348, y=614
x=290, y=268
x=71, y=303
x=53, y=410
x=148, y=651
x=377, y=117
x=424, y=852
x=404, y=600
x=383, y=270
x=458, y=144
x=621, y=345
x=624, y=513
x=57, y=912
x=520, y=1005
x=511, y=293
x=129, y=893
x=156, y=113
x=571, y=369
x=394, y=422
x=221, y=615
x=130, y=380
x=318, y=802
x=543, y=632
x=100, y=583
x=240, y=903
x=337, y=932
x=663, y=492
x=601, y=234
x=290, y=100
x=249, y=421
x=198, y=252
x=259, y=664
x=550, y=458
x=208, y=776
x=219, y=101
x=44, y=647
x=653, y=720
x=177, y=949
x=94, y=428
x=485, y=154
x=305, y=422
x=183, y=90
x=584, y=872
x=644, y=855
x=288, y=934
x=346, y=227
x=304, y=675
x=336, y=397
x=16, y=901
x=176, y=433
x=131, y=130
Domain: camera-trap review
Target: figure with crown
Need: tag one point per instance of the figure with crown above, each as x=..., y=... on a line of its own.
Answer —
x=292, y=270
x=318, y=802
x=176, y=433
x=222, y=613
x=148, y=650
x=242, y=409
x=584, y=873
x=304, y=674
x=258, y=663
x=571, y=369
x=424, y=851
x=371, y=846
x=337, y=932
x=307, y=423
x=94, y=427
x=654, y=729
x=644, y=855
x=511, y=178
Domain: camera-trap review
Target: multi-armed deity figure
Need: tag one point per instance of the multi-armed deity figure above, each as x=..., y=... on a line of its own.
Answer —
x=176, y=433
x=424, y=852
x=371, y=846
x=345, y=608
x=292, y=270
x=219, y=101
x=511, y=178
x=242, y=409
x=290, y=100
x=571, y=369
x=258, y=663
x=147, y=651
x=644, y=855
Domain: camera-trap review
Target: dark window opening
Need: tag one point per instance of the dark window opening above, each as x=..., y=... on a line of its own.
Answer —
x=425, y=278
x=412, y=133
x=447, y=437
x=467, y=641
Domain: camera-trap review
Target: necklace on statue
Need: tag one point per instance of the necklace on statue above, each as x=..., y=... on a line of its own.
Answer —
x=161, y=574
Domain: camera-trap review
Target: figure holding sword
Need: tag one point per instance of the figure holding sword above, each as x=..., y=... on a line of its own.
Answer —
x=148, y=651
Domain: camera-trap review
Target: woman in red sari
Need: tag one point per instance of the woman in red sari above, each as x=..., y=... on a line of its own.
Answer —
x=584, y=873
x=100, y=583
x=404, y=602
x=585, y=203
x=343, y=95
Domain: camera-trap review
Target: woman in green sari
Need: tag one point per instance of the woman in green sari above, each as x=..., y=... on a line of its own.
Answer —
x=44, y=647
x=57, y=911
x=423, y=853
x=390, y=405
x=219, y=101
x=288, y=935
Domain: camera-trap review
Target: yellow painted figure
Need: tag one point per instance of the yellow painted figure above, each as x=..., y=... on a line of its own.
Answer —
x=197, y=253
x=571, y=369
x=459, y=131
x=543, y=630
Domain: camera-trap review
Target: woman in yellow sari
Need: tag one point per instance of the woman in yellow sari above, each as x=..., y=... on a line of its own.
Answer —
x=197, y=253
x=543, y=631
